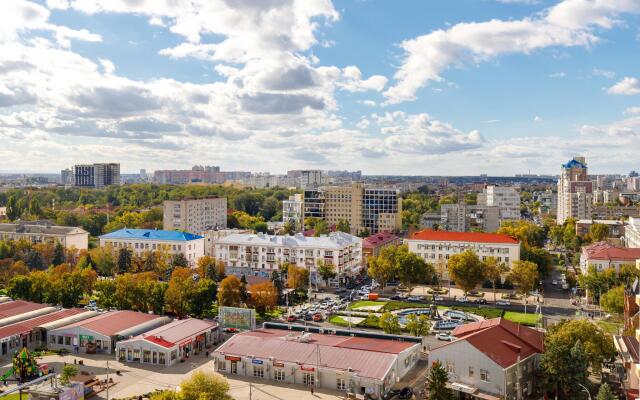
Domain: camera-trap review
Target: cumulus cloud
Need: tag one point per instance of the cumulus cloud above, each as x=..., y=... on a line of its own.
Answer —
x=627, y=86
x=568, y=23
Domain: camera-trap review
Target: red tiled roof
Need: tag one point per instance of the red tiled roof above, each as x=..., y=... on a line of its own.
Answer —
x=476, y=237
x=501, y=340
x=607, y=251
x=111, y=323
x=370, y=358
x=379, y=239
x=175, y=332
x=13, y=308
x=28, y=325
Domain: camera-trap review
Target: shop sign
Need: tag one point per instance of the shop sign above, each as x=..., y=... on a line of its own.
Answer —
x=278, y=364
x=308, y=369
x=256, y=361
x=232, y=358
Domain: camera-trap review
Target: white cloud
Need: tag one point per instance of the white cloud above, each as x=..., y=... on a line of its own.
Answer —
x=627, y=86
x=368, y=103
x=569, y=23
x=107, y=66
x=537, y=119
x=557, y=75
x=632, y=111
x=603, y=73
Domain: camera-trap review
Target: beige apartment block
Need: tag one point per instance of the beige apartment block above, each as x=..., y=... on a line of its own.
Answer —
x=195, y=215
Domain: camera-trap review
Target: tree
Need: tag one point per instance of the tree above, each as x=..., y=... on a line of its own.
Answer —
x=493, y=271
x=244, y=294
x=124, y=260
x=103, y=259
x=466, y=270
x=381, y=269
x=204, y=295
x=207, y=267
x=598, y=232
x=326, y=271
x=321, y=228
x=59, y=256
x=205, y=385
x=598, y=345
x=34, y=260
x=34, y=207
x=418, y=325
x=105, y=290
x=613, y=300
x=437, y=382
x=229, y=292
x=289, y=228
x=276, y=279
x=68, y=371
x=604, y=393
x=411, y=268
x=181, y=290
x=264, y=297
x=389, y=323
x=343, y=226
x=156, y=296
x=297, y=277
x=13, y=211
x=524, y=275
x=179, y=261
x=565, y=366
x=19, y=287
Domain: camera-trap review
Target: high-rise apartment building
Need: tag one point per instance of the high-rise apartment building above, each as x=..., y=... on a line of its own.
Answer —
x=66, y=176
x=293, y=211
x=96, y=175
x=465, y=217
x=195, y=215
x=575, y=191
x=372, y=209
x=506, y=198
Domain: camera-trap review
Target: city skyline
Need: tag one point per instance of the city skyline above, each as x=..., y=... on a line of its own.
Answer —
x=501, y=87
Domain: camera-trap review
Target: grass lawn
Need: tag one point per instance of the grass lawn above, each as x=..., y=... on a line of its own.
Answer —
x=338, y=320
x=365, y=303
x=401, y=305
x=530, y=319
x=610, y=327
x=15, y=396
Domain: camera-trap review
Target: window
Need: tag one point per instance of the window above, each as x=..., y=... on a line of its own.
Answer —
x=470, y=372
x=174, y=355
x=258, y=371
x=161, y=358
x=341, y=384
x=484, y=375
x=60, y=339
x=450, y=367
x=67, y=341
x=146, y=356
x=52, y=339
x=136, y=354
x=308, y=379
x=278, y=374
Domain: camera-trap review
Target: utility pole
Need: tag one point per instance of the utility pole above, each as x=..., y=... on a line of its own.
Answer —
x=107, y=379
x=249, y=390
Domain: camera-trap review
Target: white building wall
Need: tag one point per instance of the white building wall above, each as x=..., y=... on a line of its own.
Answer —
x=192, y=249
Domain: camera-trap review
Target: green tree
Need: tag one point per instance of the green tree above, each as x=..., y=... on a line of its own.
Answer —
x=437, y=383
x=343, y=226
x=418, y=325
x=604, y=393
x=59, y=256
x=321, y=228
x=13, y=211
x=389, y=323
x=68, y=371
x=598, y=345
x=34, y=260
x=276, y=279
x=229, y=292
x=524, y=275
x=466, y=270
x=203, y=297
x=613, y=300
x=124, y=260
x=382, y=269
x=326, y=271
x=179, y=261
x=565, y=365
x=598, y=232
x=411, y=268
x=205, y=385
x=105, y=291
x=19, y=287
x=34, y=207
x=493, y=271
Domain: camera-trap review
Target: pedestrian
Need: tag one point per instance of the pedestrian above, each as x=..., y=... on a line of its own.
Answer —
x=311, y=390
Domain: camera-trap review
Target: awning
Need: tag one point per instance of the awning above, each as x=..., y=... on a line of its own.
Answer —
x=475, y=392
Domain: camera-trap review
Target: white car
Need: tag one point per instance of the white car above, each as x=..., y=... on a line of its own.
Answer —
x=445, y=336
x=462, y=300
x=503, y=302
x=554, y=282
x=438, y=298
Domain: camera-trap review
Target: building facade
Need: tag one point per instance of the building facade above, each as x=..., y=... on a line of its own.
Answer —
x=293, y=212
x=506, y=198
x=464, y=217
x=575, y=191
x=435, y=247
x=373, y=245
x=603, y=256
x=195, y=215
x=632, y=233
x=616, y=227
x=44, y=232
x=197, y=174
x=140, y=241
x=260, y=254
x=371, y=209
x=96, y=175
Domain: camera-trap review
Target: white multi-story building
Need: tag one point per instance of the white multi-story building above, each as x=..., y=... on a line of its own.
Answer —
x=506, y=198
x=195, y=215
x=603, y=256
x=435, y=247
x=45, y=232
x=211, y=237
x=141, y=241
x=632, y=233
x=293, y=211
x=260, y=254
x=575, y=191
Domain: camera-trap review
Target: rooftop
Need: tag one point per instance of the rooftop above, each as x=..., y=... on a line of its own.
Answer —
x=151, y=234
x=501, y=340
x=113, y=322
x=601, y=221
x=368, y=357
x=39, y=228
x=476, y=237
x=335, y=240
x=175, y=332
x=28, y=325
x=607, y=251
x=13, y=308
x=379, y=239
x=574, y=164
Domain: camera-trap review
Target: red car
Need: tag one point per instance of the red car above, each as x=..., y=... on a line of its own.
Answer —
x=291, y=318
x=317, y=317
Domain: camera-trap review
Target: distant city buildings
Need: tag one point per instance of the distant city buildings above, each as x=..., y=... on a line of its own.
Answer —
x=260, y=254
x=575, y=191
x=195, y=215
x=293, y=212
x=506, y=198
x=197, y=174
x=464, y=217
x=45, y=232
x=364, y=208
x=96, y=175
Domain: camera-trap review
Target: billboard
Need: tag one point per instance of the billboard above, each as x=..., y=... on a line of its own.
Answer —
x=238, y=318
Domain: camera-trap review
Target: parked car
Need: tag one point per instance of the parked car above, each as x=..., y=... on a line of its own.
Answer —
x=317, y=317
x=291, y=318
x=462, y=300
x=406, y=393
x=503, y=302
x=308, y=317
x=554, y=282
x=438, y=298
x=445, y=336
x=415, y=298
x=479, y=301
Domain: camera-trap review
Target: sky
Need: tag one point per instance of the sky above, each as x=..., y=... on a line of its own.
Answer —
x=406, y=87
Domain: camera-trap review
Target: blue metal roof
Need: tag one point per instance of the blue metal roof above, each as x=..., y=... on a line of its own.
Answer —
x=151, y=234
x=574, y=164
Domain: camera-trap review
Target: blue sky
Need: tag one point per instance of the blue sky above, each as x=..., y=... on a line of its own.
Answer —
x=407, y=87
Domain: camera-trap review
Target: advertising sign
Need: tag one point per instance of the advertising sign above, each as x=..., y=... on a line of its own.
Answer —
x=238, y=318
x=74, y=391
x=257, y=362
x=84, y=339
